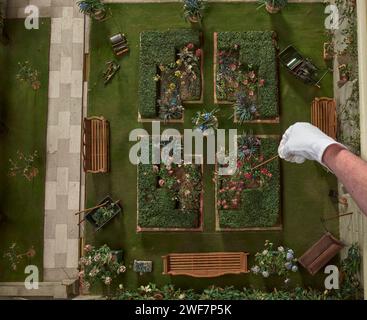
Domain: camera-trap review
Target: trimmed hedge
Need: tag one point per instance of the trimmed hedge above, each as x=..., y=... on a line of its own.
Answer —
x=258, y=49
x=167, y=206
x=260, y=208
x=158, y=47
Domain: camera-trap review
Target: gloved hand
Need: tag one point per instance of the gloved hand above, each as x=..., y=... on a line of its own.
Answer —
x=304, y=141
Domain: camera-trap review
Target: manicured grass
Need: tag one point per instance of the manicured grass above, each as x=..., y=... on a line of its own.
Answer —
x=24, y=114
x=304, y=187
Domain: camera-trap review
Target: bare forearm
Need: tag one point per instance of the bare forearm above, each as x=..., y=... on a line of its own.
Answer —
x=351, y=171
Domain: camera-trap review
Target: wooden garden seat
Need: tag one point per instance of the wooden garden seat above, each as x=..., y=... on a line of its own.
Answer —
x=119, y=44
x=323, y=115
x=205, y=265
x=320, y=253
x=96, y=145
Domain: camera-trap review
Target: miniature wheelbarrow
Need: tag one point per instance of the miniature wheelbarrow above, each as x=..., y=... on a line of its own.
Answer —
x=100, y=215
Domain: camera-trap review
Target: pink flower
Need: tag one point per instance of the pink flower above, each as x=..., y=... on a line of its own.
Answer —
x=251, y=93
x=88, y=248
x=190, y=46
x=248, y=176
x=252, y=74
x=245, y=82
x=232, y=66
x=198, y=53
x=261, y=82
x=161, y=182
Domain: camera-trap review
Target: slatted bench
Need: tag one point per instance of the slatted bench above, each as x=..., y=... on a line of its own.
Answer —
x=205, y=265
x=320, y=253
x=323, y=115
x=96, y=145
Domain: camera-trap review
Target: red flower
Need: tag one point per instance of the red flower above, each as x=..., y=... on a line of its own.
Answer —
x=220, y=53
x=198, y=53
x=190, y=46
x=220, y=61
x=245, y=82
x=248, y=176
x=233, y=67
x=261, y=82
x=264, y=171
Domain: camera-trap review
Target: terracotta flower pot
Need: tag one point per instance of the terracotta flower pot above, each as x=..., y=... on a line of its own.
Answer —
x=272, y=9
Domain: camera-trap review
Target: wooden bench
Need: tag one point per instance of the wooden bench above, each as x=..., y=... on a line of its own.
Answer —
x=323, y=115
x=320, y=253
x=205, y=265
x=96, y=145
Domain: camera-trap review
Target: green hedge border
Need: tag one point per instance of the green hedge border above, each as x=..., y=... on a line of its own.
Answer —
x=158, y=47
x=257, y=48
x=263, y=210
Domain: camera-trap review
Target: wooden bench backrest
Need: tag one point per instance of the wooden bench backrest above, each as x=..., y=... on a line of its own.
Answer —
x=205, y=264
x=323, y=115
x=96, y=145
x=320, y=253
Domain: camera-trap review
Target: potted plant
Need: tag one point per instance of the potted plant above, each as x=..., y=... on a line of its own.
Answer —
x=93, y=8
x=100, y=265
x=204, y=120
x=193, y=10
x=274, y=6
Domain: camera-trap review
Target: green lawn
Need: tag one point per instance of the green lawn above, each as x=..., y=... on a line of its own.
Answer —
x=23, y=111
x=304, y=187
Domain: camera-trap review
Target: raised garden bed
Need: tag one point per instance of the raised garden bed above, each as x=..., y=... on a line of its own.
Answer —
x=99, y=217
x=249, y=200
x=169, y=197
x=246, y=75
x=171, y=74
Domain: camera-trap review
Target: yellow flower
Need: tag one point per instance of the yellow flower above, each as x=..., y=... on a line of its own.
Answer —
x=178, y=74
x=179, y=62
x=172, y=86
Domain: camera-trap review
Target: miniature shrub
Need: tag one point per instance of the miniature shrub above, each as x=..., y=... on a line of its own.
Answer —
x=255, y=49
x=158, y=48
x=258, y=207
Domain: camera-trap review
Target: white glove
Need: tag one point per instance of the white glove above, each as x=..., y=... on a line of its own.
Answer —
x=304, y=141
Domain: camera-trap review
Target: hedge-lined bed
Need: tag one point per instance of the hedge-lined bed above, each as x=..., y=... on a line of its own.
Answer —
x=170, y=73
x=250, y=199
x=169, y=197
x=246, y=74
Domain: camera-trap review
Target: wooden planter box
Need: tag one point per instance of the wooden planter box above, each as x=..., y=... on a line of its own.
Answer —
x=92, y=221
x=223, y=102
x=277, y=227
x=199, y=229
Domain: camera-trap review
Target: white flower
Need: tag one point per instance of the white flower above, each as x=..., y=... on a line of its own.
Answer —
x=121, y=286
x=265, y=274
x=97, y=257
x=294, y=268
x=281, y=249
x=286, y=281
x=108, y=280
x=255, y=269
x=289, y=256
x=265, y=252
x=146, y=289
x=181, y=296
x=121, y=269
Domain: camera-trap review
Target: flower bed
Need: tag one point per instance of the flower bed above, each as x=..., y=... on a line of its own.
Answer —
x=170, y=197
x=250, y=199
x=246, y=74
x=170, y=74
